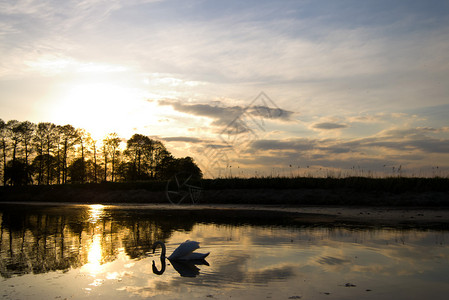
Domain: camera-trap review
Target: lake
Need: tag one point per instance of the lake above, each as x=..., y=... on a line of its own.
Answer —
x=105, y=252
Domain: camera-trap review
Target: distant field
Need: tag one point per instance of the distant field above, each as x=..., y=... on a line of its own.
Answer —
x=394, y=191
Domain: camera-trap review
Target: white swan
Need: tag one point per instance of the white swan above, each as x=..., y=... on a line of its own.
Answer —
x=183, y=252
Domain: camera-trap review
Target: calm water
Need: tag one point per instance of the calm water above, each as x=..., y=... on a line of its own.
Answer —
x=99, y=252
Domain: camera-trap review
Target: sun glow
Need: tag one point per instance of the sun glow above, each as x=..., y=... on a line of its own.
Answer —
x=101, y=108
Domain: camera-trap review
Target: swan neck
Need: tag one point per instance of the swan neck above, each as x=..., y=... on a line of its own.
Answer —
x=162, y=246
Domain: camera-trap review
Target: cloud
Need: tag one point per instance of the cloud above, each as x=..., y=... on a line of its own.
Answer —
x=219, y=113
x=431, y=145
x=329, y=126
x=411, y=132
x=225, y=116
x=288, y=144
x=271, y=113
x=405, y=143
x=408, y=146
x=184, y=139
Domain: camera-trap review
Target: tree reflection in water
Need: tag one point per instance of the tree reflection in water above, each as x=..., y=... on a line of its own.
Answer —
x=42, y=239
x=105, y=253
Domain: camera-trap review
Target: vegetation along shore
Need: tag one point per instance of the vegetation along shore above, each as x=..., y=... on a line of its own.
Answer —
x=397, y=191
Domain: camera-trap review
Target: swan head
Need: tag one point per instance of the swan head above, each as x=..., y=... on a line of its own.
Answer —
x=159, y=243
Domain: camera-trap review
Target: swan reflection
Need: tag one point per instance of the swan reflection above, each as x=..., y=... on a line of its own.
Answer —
x=184, y=260
x=156, y=270
x=188, y=268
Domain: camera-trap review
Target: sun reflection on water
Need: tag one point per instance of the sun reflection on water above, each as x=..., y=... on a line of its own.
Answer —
x=94, y=256
x=94, y=248
x=96, y=212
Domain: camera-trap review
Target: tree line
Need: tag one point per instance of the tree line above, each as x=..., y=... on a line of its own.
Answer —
x=46, y=154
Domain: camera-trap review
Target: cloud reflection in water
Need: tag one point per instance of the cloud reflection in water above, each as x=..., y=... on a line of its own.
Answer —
x=112, y=246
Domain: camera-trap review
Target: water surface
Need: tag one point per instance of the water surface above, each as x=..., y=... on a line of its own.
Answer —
x=104, y=252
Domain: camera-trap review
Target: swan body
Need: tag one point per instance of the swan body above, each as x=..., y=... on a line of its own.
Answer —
x=185, y=251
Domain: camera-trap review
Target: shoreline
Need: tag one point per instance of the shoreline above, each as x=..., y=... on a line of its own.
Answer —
x=428, y=217
x=243, y=196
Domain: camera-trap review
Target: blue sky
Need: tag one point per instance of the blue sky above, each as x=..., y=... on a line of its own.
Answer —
x=363, y=85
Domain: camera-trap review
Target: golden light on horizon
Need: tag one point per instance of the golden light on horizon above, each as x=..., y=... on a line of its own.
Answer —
x=100, y=107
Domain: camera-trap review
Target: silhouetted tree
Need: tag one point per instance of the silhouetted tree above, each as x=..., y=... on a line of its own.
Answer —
x=125, y=171
x=45, y=140
x=167, y=167
x=186, y=164
x=158, y=155
x=94, y=147
x=26, y=131
x=45, y=166
x=111, y=143
x=39, y=146
x=84, y=141
x=170, y=166
x=16, y=172
x=93, y=171
x=136, y=146
x=48, y=154
x=14, y=136
x=3, y=145
x=145, y=154
x=77, y=171
x=69, y=137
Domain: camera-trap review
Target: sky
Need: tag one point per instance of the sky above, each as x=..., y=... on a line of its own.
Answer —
x=247, y=88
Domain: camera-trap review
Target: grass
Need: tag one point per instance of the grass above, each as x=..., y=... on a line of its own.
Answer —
x=388, y=184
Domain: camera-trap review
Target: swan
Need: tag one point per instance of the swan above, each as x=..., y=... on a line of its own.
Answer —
x=183, y=252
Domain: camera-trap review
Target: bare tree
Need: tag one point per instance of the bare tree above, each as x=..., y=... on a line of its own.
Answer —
x=3, y=145
x=84, y=139
x=45, y=140
x=14, y=137
x=69, y=137
x=111, y=144
x=94, y=148
x=26, y=131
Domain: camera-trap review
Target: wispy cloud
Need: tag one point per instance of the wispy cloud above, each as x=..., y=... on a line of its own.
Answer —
x=329, y=126
x=223, y=115
x=396, y=147
x=297, y=145
x=185, y=139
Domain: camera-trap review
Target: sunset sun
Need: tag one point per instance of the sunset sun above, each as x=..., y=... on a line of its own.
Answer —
x=100, y=108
